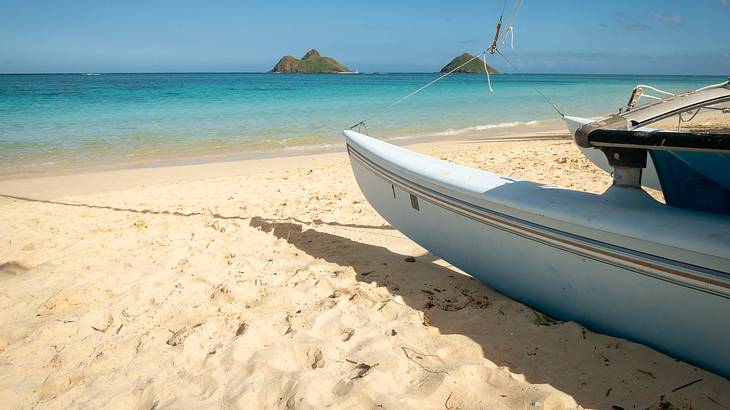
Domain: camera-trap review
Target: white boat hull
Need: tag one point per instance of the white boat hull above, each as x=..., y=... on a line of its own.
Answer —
x=572, y=255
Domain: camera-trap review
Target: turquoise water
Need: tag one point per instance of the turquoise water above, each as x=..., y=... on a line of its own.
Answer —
x=74, y=120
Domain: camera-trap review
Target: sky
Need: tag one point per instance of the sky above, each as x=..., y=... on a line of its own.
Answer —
x=551, y=36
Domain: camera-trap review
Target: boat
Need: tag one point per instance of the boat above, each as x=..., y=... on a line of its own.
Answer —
x=690, y=177
x=620, y=263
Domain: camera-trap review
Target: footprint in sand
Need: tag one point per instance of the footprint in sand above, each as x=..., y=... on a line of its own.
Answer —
x=315, y=360
x=13, y=268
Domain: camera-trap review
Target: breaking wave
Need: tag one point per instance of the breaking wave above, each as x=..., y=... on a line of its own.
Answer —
x=476, y=128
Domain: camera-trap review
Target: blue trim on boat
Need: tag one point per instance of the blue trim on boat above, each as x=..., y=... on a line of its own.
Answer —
x=680, y=273
x=694, y=180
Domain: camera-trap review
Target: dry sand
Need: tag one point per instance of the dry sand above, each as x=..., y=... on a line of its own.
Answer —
x=273, y=284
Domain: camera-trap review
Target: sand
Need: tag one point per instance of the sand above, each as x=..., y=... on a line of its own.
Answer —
x=273, y=284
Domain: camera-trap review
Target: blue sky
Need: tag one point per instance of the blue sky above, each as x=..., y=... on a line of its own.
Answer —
x=566, y=36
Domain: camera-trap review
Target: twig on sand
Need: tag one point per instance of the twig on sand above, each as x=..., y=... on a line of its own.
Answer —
x=648, y=373
x=179, y=336
x=714, y=401
x=348, y=335
x=362, y=369
x=686, y=385
x=446, y=403
x=107, y=325
x=420, y=356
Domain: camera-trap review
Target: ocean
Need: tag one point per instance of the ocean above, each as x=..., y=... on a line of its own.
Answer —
x=84, y=121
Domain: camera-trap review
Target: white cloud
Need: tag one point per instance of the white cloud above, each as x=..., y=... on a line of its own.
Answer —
x=630, y=23
x=669, y=19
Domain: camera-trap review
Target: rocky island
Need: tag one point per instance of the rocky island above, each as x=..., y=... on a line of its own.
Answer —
x=476, y=66
x=312, y=62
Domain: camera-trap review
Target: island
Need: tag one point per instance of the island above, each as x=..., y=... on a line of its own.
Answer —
x=312, y=62
x=476, y=66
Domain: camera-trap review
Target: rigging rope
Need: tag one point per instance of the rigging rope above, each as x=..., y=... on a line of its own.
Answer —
x=486, y=71
x=509, y=22
x=499, y=37
x=400, y=100
x=493, y=48
x=544, y=97
x=510, y=32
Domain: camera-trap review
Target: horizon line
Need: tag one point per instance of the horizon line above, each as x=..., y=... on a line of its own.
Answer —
x=349, y=73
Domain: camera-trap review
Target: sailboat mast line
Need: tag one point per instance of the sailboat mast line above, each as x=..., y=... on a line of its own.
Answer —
x=544, y=97
x=402, y=99
x=498, y=37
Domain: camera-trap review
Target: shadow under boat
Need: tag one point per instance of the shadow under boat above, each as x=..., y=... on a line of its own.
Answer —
x=496, y=323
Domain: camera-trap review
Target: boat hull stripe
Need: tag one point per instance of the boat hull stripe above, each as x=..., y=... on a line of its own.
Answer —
x=697, y=277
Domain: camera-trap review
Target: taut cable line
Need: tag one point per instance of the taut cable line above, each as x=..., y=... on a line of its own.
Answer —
x=400, y=100
x=544, y=97
x=500, y=37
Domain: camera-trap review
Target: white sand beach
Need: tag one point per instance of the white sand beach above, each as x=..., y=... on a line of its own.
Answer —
x=272, y=284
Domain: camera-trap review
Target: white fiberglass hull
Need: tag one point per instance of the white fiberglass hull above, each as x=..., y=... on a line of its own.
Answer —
x=620, y=263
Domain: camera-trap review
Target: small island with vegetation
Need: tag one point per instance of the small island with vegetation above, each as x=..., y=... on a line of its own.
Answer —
x=476, y=66
x=312, y=62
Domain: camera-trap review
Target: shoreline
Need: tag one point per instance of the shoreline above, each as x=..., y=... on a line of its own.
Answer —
x=122, y=175
x=255, y=150
x=54, y=184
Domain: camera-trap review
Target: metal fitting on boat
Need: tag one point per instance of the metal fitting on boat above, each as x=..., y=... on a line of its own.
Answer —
x=627, y=165
x=627, y=177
